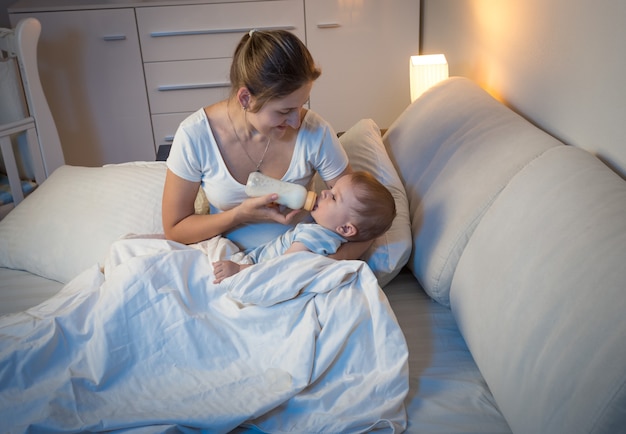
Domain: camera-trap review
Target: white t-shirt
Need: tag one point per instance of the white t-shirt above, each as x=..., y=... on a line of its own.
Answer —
x=195, y=156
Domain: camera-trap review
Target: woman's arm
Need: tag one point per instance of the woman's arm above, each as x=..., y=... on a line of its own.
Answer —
x=180, y=223
x=352, y=250
x=330, y=183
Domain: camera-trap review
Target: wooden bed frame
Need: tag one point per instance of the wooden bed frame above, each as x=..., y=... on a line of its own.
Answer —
x=19, y=47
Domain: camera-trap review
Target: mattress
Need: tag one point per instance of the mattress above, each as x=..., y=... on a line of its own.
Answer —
x=20, y=290
x=447, y=393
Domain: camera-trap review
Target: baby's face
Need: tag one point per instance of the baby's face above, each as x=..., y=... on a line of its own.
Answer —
x=333, y=207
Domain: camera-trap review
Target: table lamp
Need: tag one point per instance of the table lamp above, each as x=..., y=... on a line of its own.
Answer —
x=425, y=71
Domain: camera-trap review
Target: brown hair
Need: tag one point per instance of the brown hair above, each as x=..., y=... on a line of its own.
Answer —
x=376, y=207
x=271, y=64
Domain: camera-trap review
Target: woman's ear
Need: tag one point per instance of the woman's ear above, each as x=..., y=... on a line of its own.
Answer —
x=244, y=97
x=347, y=231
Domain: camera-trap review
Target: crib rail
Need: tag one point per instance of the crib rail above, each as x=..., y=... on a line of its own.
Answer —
x=28, y=116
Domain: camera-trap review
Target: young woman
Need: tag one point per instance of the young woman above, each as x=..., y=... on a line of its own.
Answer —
x=261, y=126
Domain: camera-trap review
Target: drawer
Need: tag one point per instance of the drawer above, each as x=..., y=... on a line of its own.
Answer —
x=187, y=85
x=164, y=127
x=211, y=30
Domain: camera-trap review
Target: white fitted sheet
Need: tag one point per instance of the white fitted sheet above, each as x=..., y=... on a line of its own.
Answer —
x=447, y=393
x=20, y=290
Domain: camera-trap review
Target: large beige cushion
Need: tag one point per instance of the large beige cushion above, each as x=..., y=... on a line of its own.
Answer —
x=540, y=296
x=455, y=149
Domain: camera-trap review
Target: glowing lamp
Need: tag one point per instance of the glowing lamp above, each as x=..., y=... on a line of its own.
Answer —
x=426, y=71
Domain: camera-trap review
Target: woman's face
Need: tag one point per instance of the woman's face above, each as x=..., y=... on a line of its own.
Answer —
x=280, y=114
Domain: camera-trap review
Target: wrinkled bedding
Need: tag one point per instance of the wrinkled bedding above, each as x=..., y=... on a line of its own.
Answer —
x=300, y=343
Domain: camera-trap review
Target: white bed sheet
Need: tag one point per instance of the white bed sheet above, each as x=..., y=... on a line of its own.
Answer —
x=20, y=290
x=447, y=393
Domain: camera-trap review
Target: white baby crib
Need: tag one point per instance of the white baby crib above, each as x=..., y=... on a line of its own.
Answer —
x=29, y=142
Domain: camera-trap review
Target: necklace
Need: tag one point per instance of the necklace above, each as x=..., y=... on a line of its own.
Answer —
x=267, y=145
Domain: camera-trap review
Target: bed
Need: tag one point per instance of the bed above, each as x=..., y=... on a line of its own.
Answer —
x=106, y=326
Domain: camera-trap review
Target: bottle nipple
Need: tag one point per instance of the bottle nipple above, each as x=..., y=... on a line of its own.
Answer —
x=309, y=202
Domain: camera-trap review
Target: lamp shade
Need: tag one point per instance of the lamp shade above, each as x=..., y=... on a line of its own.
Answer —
x=426, y=71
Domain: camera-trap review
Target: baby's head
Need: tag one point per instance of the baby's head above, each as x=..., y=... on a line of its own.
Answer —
x=374, y=209
x=358, y=207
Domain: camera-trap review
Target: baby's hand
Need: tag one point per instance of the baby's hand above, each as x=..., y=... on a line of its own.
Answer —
x=224, y=269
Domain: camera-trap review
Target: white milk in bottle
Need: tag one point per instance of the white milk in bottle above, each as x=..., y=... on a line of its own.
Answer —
x=291, y=195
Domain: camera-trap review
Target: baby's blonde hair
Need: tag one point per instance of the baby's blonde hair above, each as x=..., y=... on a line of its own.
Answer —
x=376, y=207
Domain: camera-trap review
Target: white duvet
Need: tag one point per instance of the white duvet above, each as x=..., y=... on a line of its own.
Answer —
x=301, y=343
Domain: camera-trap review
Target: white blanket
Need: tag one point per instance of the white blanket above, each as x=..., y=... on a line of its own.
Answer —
x=301, y=343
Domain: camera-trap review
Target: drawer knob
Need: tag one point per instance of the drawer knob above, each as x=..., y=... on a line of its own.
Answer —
x=114, y=37
x=168, y=87
x=328, y=25
x=161, y=34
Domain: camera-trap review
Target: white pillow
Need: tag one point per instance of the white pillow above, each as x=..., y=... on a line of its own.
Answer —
x=67, y=224
x=366, y=151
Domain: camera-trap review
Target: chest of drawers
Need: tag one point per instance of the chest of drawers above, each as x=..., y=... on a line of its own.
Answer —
x=120, y=75
x=187, y=51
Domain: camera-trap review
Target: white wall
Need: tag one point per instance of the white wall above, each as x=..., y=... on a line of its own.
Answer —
x=559, y=63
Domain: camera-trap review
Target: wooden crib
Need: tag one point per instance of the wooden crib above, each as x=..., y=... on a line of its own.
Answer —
x=29, y=142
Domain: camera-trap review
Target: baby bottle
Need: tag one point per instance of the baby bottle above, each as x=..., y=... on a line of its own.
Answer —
x=291, y=195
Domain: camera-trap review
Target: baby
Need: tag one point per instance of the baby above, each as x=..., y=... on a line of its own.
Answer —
x=357, y=208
